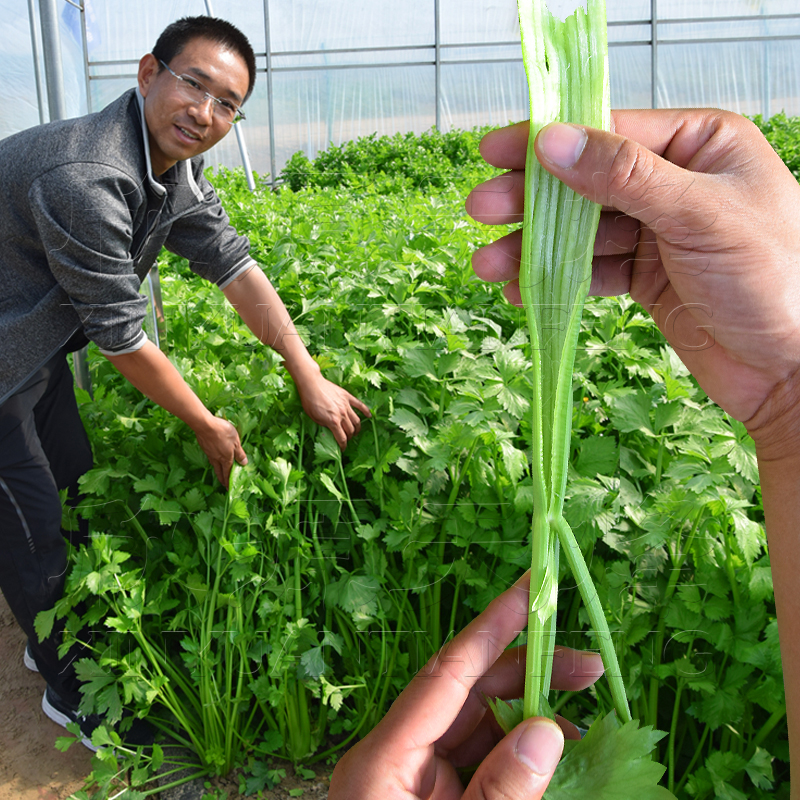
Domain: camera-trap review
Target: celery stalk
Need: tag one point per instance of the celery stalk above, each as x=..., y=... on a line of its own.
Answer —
x=567, y=68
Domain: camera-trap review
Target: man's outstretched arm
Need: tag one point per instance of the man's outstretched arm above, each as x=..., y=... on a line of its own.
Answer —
x=263, y=311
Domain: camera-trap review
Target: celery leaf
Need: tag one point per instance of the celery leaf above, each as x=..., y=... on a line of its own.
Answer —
x=614, y=760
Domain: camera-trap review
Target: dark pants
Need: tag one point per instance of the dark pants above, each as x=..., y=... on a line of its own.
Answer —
x=43, y=449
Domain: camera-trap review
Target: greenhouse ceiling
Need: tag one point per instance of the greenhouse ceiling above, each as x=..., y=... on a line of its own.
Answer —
x=332, y=71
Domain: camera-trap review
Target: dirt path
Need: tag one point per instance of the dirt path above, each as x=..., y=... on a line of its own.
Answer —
x=30, y=766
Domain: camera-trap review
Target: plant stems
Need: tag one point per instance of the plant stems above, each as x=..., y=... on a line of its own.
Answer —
x=698, y=750
x=434, y=629
x=597, y=617
x=678, y=559
x=672, y=733
x=765, y=730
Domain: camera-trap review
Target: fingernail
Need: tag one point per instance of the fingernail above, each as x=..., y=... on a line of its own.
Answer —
x=590, y=664
x=540, y=746
x=524, y=581
x=562, y=144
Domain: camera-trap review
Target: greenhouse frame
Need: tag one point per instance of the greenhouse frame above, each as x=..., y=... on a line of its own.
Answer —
x=329, y=72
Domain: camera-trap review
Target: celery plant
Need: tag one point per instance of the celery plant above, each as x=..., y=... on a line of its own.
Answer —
x=567, y=68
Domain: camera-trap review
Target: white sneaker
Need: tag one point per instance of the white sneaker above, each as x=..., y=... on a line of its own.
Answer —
x=29, y=660
x=58, y=711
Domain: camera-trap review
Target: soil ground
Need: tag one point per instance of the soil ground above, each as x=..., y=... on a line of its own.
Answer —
x=32, y=769
x=30, y=766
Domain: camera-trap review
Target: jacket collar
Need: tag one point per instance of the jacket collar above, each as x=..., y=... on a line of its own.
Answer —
x=158, y=187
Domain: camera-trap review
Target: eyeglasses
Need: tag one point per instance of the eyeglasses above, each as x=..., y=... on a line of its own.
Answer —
x=190, y=88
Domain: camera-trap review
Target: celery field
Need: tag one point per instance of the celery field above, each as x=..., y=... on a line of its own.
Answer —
x=283, y=618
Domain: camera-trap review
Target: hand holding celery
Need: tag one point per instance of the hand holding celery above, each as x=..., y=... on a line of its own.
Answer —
x=567, y=68
x=433, y=727
x=667, y=167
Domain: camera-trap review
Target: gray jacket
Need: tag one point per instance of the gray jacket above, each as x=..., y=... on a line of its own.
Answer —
x=82, y=220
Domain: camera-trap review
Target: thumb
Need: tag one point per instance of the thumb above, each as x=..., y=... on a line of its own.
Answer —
x=617, y=172
x=521, y=765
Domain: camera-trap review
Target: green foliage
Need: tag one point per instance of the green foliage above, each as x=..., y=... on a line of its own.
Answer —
x=294, y=611
x=405, y=161
x=614, y=759
x=783, y=133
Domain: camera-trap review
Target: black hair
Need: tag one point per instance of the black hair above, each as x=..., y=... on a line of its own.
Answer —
x=179, y=33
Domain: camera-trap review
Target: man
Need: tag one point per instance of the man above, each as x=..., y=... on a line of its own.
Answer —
x=86, y=208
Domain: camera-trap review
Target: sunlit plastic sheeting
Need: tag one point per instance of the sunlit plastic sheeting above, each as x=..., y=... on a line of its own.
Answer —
x=315, y=109
x=256, y=131
x=629, y=70
x=746, y=77
x=324, y=58
x=19, y=108
x=483, y=94
x=629, y=10
x=709, y=29
x=468, y=21
x=127, y=30
x=323, y=95
x=72, y=60
x=300, y=25
x=783, y=78
x=680, y=9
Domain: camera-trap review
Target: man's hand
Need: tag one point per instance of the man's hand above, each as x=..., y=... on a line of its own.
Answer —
x=221, y=444
x=258, y=304
x=153, y=374
x=330, y=406
x=700, y=225
x=441, y=722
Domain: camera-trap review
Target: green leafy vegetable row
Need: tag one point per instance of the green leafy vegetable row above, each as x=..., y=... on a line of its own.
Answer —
x=300, y=606
x=400, y=162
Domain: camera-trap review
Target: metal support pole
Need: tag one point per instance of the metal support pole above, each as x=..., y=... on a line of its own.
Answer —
x=37, y=67
x=438, y=55
x=273, y=160
x=85, y=41
x=654, y=52
x=248, y=171
x=51, y=47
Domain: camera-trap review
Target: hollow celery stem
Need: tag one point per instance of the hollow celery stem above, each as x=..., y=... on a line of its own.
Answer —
x=540, y=528
x=566, y=65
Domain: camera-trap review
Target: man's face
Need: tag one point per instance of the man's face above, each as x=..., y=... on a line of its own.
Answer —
x=179, y=128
